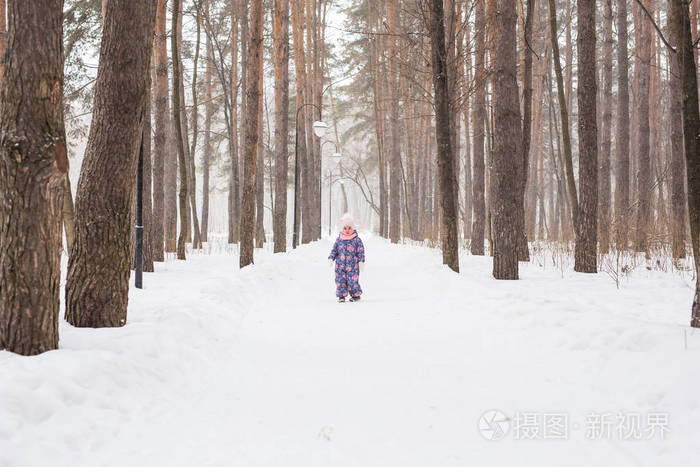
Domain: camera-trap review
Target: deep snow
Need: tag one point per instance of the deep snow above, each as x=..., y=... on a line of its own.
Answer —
x=261, y=367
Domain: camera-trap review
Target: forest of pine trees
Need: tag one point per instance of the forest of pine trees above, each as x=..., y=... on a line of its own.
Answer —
x=487, y=127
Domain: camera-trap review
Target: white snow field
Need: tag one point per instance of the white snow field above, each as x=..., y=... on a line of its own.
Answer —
x=262, y=367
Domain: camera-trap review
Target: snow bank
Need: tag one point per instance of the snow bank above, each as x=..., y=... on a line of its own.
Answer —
x=261, y=367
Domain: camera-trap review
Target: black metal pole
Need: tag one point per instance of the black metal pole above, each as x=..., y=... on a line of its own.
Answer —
x=320, y=180
x=138, y=260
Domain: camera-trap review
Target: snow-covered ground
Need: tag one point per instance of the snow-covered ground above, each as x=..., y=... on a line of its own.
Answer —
x=261, y=367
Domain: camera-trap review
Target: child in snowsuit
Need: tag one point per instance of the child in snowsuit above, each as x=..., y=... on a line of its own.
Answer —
x=349, y=255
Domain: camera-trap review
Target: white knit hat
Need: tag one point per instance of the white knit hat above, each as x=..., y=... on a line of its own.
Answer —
x=347, y=220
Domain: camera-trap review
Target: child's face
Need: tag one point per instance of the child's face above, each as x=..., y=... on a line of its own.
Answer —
x=347, y=229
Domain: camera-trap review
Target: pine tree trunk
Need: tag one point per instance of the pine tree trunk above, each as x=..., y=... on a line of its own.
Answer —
x=394, y=129
x=260, y=171
x=607, y=102
x=208, y=113
x=280, y=32
x=622, y=138
x=568, y=159
x=478, y=115
x=192, y=180
x=466, y=68
x=3, y=35
x=680, y=25
x=97, y=284
x=178, y=125
x=445, y=156
x=33, y=170
x=678, y=196
x=585, y=255
x=507, y=144
x=247, y=228
x=68, y=213
x=160, y=140
x=642, y=70
x=184, y=124
x=374, y=50
x=234, y=199
x=147, y=211
x=523, y=250
x=171, y=166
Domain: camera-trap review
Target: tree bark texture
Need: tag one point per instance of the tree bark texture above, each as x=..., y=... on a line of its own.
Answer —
x=680, y=25
x=478, y=115
x=507, y=139
x=280, y=17
x=605, y=153
x=160, y=139
x=97, y=285
x=642, y=69
x=208, y=113
x=247, y=228
x=585, y=254
x=445, y=156
x=33, y=168
x=178, y=125
x=622, y=138
x=523, y=250
x=394, y=129
x=678, y=195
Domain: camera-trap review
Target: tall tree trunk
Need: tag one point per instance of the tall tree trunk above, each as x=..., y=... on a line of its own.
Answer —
x=445, y=156
x=678, y=196
x=260, y=170
x=622, y=138
x=192, y=179
x=466, y=69
x=160, y=140
x=208, y=113
x=394, y=129
x=97, y=284
x=680, y=25
x=568, y=160
x=184, y=124
x=68, y=213
x=247, y=228
x=523, y=251
x=171, y=167
x=585, y=254
x=33, y=168
x=478, y=115
x=607, y=101
x=305, y=183
x=147, y=210
x=280, y=15
x=234, y=198
x=178, y=124
x=3, y=35
x=374, y=49
x=644, y=187
x=450, y=12
x=507, y=145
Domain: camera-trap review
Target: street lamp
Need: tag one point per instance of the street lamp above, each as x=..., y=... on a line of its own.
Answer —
x=336, y=157
x=319, y=130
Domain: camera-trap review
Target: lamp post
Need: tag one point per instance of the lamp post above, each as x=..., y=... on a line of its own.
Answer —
x=319, y=130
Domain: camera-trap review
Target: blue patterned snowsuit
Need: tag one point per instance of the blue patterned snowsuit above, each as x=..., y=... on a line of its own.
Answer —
x=347, y=255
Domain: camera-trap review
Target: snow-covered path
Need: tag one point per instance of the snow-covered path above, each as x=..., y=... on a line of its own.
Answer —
x=261, y=367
